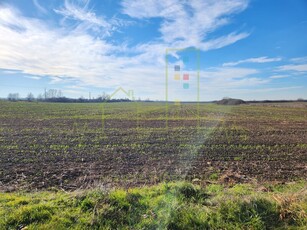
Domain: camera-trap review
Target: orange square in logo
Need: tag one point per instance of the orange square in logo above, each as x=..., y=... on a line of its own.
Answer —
x=186, y=77
x=177, y=76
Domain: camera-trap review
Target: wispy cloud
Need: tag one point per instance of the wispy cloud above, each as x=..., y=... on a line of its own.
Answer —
x=80, y=11
x=80, y=56
x=234, y=82
x=185, y=24
x=33, y=77
x=278, y=76
x=297, y=68
x=86, y=18
x=39, y=7
x=265, y=89
x=73, y=52
x=227, y=78
x=6, y=71
x=299, y=59
x=253, y=60
x=223, y=41
x=54, y=52
x=223, y=73
x=76, y=93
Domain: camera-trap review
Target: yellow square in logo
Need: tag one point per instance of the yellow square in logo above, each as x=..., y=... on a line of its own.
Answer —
x=177, y=76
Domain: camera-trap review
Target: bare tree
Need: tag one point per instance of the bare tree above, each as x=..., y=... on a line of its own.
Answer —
x=40, y=97
x=13, y=96
x=51, y=93
x=59, y=93
x=105, y=96
x=30, y=97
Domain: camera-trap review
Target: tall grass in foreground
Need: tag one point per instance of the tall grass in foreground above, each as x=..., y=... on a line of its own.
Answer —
x=178, y=205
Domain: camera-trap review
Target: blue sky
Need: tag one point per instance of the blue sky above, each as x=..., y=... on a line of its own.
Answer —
x=249, y=49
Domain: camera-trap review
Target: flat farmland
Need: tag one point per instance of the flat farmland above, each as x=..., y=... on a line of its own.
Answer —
x=78, y=146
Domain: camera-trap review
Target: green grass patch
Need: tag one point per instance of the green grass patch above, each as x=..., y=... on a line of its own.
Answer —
x=178, y=205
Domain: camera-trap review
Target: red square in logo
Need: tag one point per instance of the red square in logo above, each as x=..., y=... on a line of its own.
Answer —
x=186, y=77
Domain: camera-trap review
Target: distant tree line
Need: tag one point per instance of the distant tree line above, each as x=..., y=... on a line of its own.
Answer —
x=277, y=101
x=54, y=95
x=233, y=101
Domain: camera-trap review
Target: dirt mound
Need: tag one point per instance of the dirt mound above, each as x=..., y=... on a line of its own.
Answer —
x=230, y=101
x=233, y=178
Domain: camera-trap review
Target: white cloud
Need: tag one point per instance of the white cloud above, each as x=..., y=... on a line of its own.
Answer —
x=73, y=53
x=53, y=52
x=253, y=60
x=76, y=93
x=299, y=59
x=278, y=76
x=81, y=12
x=233, y=82
x=229, y=78
x=271, y=89
x=33, y=77
x=188, y=23
x=9, y=71
x=228, y=73
x=298, y=68
x=39, y=7
x=244, y=83
x=86, y=18
x=223, y=41
x=75, y=87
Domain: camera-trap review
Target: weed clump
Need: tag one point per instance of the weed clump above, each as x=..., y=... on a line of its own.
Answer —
x=33, y=214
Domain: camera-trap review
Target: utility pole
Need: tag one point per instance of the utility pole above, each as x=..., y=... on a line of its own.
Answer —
x=45, y=94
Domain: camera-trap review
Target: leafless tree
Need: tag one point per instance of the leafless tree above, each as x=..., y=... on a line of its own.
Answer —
x=13, y=96
x=30, y=97
x=53, y=93
x=40, y=97
x=59, y=93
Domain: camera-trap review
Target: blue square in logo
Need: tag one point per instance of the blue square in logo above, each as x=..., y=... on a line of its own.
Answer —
x=177, y=67
x=186, y=85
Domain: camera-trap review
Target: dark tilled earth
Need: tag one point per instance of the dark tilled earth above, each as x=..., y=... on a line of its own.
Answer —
x=60, y=149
